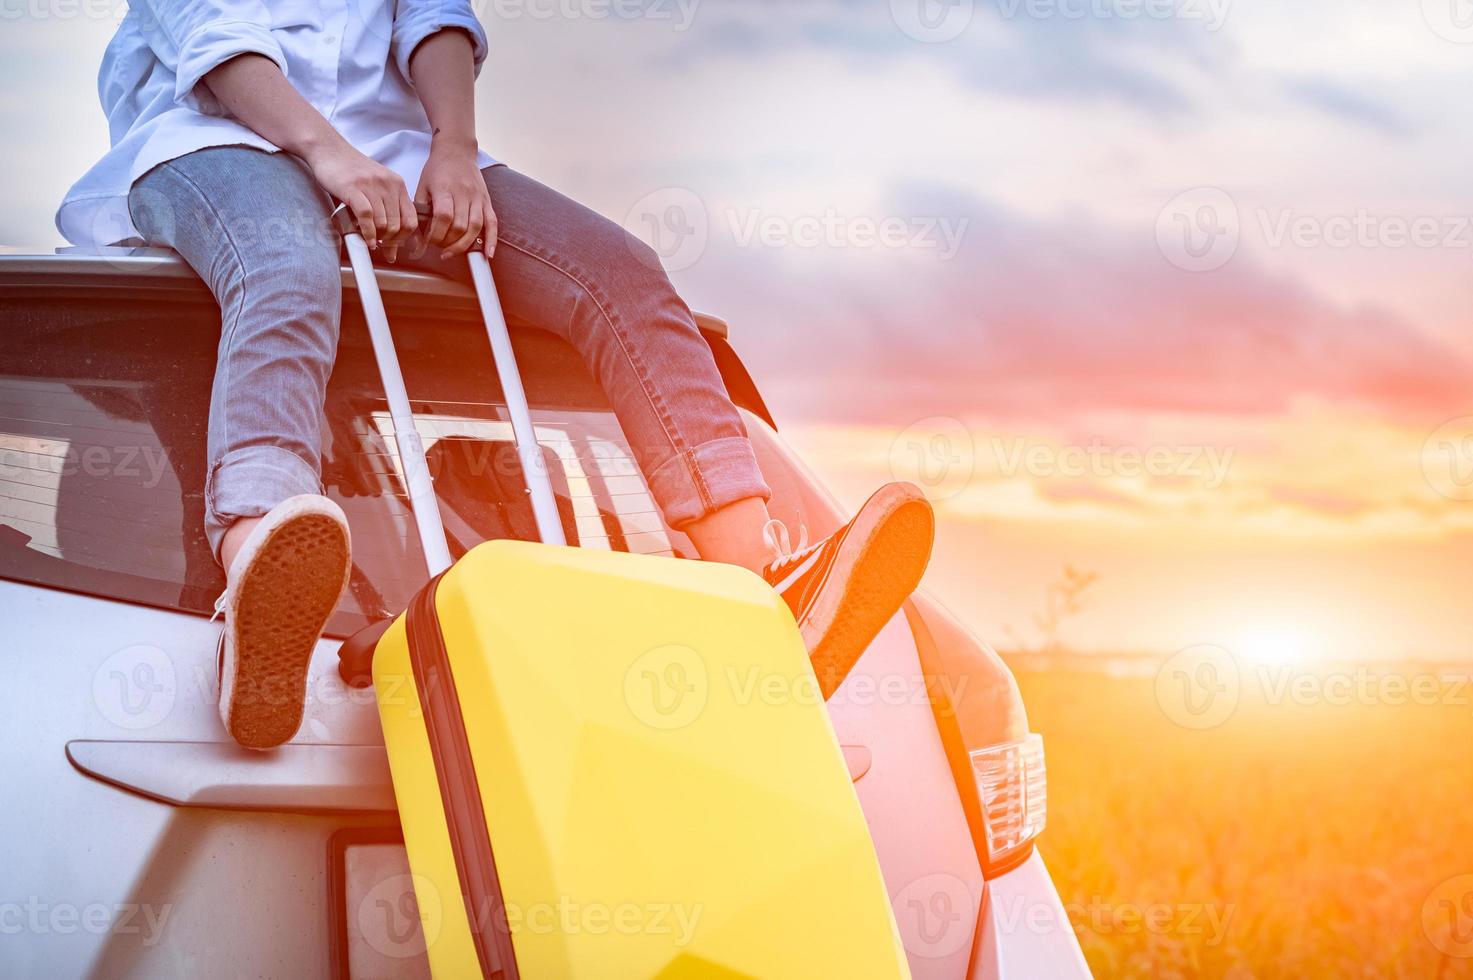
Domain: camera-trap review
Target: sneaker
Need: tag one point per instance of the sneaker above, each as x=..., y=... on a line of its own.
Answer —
x=281, y=588
x=845, y=588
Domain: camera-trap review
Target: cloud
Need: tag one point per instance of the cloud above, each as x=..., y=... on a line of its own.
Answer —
x=1344, y=102
x=1052, y=50
x=1055, y=318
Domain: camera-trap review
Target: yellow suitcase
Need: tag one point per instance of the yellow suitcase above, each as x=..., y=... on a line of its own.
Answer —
x=610, y=765
x=613, y=765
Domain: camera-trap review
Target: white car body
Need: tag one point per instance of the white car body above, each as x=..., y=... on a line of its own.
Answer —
x=137, y=841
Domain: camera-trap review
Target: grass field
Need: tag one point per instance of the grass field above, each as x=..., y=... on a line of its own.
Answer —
x=1313, y=833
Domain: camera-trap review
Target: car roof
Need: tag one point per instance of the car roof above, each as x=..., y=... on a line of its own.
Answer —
x=151, y=268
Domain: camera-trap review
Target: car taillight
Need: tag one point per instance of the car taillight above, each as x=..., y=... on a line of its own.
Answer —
x=1012, y=785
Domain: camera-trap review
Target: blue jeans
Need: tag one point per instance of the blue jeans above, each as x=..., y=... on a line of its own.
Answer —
x=255, y=226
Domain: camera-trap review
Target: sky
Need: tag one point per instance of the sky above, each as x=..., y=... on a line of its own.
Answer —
x=1175, y=292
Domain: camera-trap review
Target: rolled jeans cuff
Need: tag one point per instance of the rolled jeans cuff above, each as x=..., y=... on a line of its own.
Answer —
x=691, y=485
x=249, y=482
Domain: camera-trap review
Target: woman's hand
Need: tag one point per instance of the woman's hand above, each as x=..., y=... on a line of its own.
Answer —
x=374, y=193
x=252, y=89
x=452, y=188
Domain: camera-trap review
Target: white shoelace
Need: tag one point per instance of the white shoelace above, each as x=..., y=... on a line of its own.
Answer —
x=775, y=536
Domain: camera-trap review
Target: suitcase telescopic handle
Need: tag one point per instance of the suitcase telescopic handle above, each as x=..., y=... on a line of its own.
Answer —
x=534, y=465
x=412, y=460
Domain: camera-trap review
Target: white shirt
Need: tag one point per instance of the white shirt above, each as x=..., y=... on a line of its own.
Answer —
x=349, y=58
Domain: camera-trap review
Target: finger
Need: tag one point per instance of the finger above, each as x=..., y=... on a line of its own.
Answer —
x=363, y=213
x=489, y=228
x=422, y=206
x=440, y=219
x=473, y=224
x=390, y=228
x=410, y=220
x=380, y=217
x=459, y=220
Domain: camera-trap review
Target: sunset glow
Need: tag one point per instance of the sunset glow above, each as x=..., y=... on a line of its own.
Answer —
x=987, y=233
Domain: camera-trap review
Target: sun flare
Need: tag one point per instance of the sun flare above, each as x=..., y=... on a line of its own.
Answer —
x=1277, y=647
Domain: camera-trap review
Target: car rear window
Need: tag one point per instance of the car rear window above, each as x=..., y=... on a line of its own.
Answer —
x=103, y=407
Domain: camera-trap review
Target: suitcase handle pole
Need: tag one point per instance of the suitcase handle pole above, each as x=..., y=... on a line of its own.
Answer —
x=534, y=466
x=417, y=480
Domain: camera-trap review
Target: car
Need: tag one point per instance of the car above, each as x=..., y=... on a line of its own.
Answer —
x=139, y=841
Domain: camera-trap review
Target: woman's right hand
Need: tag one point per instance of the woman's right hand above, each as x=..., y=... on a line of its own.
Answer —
x=252, y=89
x=375, y=194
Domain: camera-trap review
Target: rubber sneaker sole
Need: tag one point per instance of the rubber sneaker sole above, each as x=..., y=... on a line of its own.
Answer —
x=295, y=566
x=878, y=565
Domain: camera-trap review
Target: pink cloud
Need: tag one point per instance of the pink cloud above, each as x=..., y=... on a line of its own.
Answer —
x=1052, y=319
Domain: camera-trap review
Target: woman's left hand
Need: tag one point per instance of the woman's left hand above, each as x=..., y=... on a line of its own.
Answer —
x=460, y=206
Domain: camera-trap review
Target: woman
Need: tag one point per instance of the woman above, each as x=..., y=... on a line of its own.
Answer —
x=236, y=125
